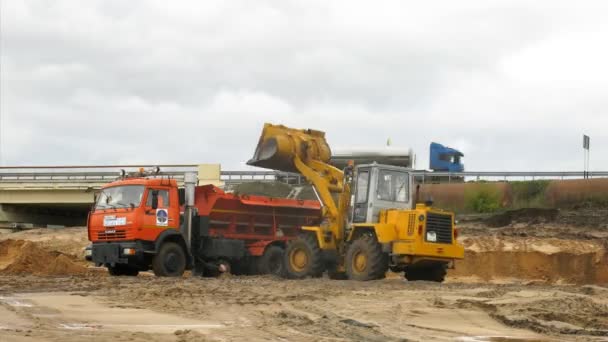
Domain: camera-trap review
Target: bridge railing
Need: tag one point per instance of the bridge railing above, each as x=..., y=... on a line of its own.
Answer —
x=97, y=175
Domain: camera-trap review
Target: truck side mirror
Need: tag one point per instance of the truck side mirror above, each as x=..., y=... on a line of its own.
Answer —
x=154, y=199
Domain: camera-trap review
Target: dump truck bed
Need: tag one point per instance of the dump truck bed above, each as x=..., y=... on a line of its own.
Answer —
x=254, y=219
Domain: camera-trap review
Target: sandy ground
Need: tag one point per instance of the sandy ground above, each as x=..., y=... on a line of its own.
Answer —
x=528, y=280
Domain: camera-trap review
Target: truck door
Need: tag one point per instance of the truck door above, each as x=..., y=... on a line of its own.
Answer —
x=159, y=215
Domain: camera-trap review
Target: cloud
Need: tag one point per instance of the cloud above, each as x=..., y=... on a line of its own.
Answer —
x=512, y=83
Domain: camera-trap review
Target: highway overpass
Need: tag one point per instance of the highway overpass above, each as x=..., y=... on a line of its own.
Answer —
x=62, y=195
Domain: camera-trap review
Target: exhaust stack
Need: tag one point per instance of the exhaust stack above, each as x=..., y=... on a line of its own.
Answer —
x=190, y=181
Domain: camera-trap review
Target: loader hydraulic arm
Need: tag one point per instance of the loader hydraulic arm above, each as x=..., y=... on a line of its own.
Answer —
x=306, y=152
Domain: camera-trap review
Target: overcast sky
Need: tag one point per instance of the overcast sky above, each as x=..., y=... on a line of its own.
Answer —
x=513, y=84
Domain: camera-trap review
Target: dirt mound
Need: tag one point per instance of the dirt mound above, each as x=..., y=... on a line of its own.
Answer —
x=524, y=215
x=71, y=241
x=271, y=189
x=571, y=314
x=546, y=260
x=26, y=257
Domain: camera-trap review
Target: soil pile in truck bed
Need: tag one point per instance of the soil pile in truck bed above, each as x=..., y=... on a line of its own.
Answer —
x=26, y=257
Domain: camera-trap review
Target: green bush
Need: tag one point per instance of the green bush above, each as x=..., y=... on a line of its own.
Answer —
x=483, y=199
x=529, y=194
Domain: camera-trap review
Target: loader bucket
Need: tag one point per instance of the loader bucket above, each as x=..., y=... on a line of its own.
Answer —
x=279, y=145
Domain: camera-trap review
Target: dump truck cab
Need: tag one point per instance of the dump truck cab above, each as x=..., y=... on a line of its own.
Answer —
x=132, y=218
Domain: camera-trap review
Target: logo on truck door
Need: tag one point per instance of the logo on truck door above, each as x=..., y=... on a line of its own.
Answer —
x=162, y=217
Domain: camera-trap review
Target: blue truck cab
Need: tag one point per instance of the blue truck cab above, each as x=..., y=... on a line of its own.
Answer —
x=445, y=158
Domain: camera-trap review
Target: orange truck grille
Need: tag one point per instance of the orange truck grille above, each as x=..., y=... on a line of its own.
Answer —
x=113, y=234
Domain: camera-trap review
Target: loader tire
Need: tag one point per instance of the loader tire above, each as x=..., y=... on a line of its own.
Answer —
x=123, y=270
x=272, y=261
x=435, y=272
x=365, y=259
x=170, y=261
x=303, y=258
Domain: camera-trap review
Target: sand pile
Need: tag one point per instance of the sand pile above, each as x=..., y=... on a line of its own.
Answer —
x=546, y=260
x=71, y=241
x=26, y=257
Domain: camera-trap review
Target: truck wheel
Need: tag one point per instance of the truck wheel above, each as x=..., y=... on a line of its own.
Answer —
x=170, y=261
x=365, y=259
x=435, y=272
x=123, y=270
x=303, y=257
x=271, y=262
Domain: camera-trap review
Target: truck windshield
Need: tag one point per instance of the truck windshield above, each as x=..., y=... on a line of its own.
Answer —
x=120, y=197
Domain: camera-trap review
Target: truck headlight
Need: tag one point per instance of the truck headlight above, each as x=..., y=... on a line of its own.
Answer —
x=431, y=236
x=128, y=251
x=88, y=252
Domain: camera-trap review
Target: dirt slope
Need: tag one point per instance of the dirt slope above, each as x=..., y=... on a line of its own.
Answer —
x=27, y=257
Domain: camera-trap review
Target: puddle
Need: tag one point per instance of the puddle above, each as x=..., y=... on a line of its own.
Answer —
x=15, y=302
x=73, y=312
x=93, y=326
x=491, y=339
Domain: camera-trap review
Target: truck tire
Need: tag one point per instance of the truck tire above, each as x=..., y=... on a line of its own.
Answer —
x=170, y=261
x=435, y=272
x=365, y=259
x=244, y=266
x=271, y=262
x=123, y=270
x=303, y=258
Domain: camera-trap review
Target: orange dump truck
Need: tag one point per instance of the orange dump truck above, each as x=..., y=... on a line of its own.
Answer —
x=143, y=221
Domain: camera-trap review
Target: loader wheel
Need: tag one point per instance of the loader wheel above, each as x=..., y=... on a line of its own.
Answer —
x=170, y=261
x=365, y=259
x=271, y=262
x=123, y=270
x=303, y=257
x=434, y=272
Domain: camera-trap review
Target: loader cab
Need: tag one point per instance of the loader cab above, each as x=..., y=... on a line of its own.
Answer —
x=380, y=187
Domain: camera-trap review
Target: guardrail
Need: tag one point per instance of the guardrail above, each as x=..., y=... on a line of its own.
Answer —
x=95, y=175
x=508, y=175
x=235, y=177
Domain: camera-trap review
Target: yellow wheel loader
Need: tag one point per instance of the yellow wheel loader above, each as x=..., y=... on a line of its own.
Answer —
x=367, y=231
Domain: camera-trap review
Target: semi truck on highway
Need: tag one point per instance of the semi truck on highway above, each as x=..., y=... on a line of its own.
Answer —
x=143, y=221
x=441, y=159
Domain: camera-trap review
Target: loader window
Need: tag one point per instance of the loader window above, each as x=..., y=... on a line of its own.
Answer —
x=393, y=186
x=362, y=185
